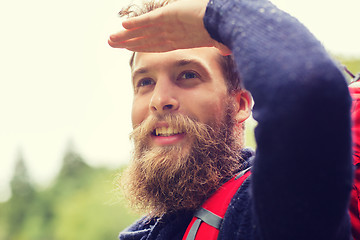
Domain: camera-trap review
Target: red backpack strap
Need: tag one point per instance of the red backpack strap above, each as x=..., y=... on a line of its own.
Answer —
x=207, y=220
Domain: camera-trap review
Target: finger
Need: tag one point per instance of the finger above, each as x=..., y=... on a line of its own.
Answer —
x=224, y=50
x=151, y=44
x=158, y=46
x=163, y=47
x=123, y=44
x=125, y=35
x=143, y=41
x=141, y=21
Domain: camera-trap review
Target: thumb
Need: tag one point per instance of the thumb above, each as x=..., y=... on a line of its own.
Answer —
x=224, y=50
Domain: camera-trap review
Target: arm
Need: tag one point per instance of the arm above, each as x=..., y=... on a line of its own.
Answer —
x=302, y=172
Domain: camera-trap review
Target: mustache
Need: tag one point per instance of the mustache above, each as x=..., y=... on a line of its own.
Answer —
x=185, y=124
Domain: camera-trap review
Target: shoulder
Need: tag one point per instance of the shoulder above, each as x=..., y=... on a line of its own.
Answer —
x=138, y=230
x=238, y=223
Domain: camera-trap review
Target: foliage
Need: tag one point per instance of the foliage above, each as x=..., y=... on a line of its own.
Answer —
x=81, y=204
x=352, y=64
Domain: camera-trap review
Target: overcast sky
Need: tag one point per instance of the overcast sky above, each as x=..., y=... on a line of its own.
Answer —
x=61, y=82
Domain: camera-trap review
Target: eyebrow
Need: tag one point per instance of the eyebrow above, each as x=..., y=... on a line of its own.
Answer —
x=178, y=63
x=140, y=71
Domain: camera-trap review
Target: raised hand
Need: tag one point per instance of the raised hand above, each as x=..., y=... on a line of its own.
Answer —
x=178, y=25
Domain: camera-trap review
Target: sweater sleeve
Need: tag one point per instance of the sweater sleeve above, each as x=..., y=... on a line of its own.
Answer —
x=302, y=172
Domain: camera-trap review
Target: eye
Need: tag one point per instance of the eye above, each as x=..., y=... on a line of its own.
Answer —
x=145, y=82
x=188, y=75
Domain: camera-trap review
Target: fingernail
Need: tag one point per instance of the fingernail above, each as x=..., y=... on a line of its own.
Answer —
x=113, y=37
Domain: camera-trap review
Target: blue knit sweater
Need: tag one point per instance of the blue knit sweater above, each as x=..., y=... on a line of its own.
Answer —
x=302, y=172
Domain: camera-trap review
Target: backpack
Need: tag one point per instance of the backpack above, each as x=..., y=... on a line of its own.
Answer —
x=207, y=220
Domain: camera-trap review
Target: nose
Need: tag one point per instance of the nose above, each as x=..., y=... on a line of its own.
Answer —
x=164, y=98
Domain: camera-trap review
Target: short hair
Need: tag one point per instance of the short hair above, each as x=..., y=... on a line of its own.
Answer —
x=227, y=63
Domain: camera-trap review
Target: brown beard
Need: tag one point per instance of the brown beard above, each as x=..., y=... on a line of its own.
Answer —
x=171, y=178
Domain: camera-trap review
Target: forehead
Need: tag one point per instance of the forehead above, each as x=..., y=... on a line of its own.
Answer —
x=207, y=58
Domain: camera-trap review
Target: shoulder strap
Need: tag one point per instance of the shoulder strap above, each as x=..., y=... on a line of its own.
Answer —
x=207, y=220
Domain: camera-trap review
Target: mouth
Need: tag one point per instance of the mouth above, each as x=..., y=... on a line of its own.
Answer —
x=165, y=136
x=166, y=131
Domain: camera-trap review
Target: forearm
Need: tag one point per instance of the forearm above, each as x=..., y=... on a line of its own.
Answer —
x=302, y=172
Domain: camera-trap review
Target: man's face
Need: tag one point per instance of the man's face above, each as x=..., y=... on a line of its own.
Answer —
x=188, y=82
x=186, y=141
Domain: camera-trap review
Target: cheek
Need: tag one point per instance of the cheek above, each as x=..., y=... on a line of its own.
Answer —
x=214, y=112
x=139, y=112
x=209, y=110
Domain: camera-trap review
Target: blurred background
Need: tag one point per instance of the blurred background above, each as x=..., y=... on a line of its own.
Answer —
x=65, y=101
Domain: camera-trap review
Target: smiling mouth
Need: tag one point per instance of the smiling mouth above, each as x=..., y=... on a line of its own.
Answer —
x=166, y=131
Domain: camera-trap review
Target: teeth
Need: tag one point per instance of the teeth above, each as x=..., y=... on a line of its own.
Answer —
x=163, y=131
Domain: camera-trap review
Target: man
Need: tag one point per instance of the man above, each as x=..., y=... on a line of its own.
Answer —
x=188, y=121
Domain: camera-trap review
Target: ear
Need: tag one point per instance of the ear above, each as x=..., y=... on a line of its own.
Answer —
x=243, y=104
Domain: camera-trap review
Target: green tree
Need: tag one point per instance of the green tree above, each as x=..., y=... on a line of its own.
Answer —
x=20, y=184
x=23, y=194
x=73, y=164
x=75, y=206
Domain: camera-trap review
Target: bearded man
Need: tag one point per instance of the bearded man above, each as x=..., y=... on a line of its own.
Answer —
x=184, y=148
x=188, y=112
